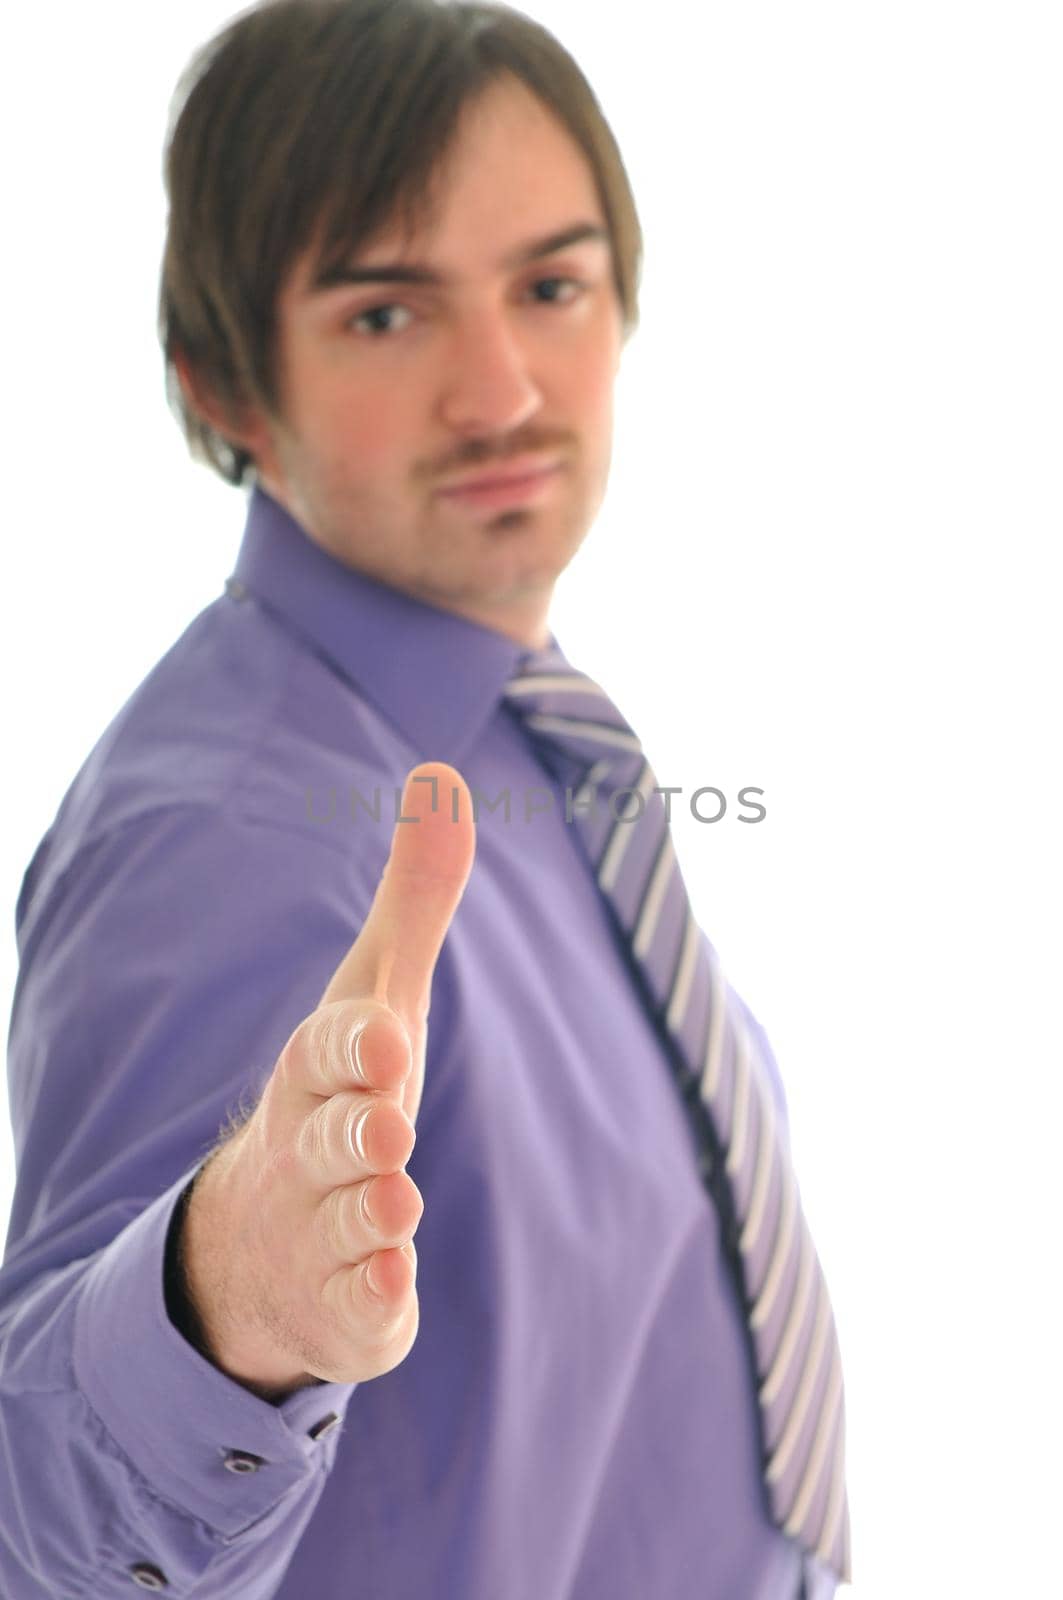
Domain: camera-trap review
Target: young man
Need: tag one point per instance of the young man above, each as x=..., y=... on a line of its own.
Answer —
x=400, y=271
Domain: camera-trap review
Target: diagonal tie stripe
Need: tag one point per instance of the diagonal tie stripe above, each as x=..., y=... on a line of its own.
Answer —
x=576, y=729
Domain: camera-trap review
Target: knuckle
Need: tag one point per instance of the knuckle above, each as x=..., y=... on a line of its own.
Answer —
x=334, y=1230
x=329, y=1043
x=305, y=1137
x=314, y=1139
x=289, y=1067
x=329, y=1040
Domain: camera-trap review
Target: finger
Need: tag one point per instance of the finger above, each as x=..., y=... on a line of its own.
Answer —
x=390, y=1276
x=373, y=1299
x=353, y=1136
x=431, y=857
x=347, y=1045
x=357, y=1219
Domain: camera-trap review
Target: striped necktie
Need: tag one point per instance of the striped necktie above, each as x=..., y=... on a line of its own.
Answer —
x=709, y=1038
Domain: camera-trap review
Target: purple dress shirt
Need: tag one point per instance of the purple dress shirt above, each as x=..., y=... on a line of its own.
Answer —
x=576, y=1420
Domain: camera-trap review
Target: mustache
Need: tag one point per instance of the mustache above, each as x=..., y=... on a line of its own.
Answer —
x=475, y=457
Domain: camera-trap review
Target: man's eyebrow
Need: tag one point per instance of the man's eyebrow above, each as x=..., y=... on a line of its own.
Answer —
x=419, y=273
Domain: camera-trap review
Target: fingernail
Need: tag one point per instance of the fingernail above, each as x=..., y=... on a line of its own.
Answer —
x=357, y=1135
x=370, y=1285
x=359, y=1064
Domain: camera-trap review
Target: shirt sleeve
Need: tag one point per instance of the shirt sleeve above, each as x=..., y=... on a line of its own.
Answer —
x=162, y=968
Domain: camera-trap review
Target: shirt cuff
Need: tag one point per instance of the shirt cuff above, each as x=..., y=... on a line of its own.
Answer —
x=200, y=1440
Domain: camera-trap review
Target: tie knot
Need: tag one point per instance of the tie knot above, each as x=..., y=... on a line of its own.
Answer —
x=573, y=724
x=568, y=713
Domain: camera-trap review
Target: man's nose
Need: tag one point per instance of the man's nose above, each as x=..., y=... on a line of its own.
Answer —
x=488, y=387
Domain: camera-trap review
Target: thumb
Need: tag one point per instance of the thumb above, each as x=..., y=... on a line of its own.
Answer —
x=394, y=956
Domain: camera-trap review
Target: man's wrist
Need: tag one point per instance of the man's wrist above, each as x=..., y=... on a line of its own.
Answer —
x=194, y=1276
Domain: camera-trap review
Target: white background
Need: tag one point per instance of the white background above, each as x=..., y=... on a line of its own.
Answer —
x=828, y=553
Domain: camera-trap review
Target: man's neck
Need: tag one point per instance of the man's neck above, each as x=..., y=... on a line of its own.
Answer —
x=526, y=626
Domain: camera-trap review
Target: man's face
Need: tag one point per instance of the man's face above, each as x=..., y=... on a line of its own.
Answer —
x=391, y=390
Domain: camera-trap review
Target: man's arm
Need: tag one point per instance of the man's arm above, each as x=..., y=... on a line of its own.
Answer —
x=163, y=971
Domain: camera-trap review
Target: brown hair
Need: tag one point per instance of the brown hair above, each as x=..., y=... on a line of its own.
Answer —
x=326, y=120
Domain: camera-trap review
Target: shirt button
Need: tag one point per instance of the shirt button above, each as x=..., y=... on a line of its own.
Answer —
x=326, y=1425
x=145, y=1576
x=235, y=589
x=242, y=1461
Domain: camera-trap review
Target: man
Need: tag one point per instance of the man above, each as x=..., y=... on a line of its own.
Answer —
x=400, y=271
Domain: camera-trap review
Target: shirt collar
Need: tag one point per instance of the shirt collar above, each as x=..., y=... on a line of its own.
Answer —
x=436, y=676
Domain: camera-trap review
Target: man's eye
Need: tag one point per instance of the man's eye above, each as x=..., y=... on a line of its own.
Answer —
x=378, y=321
x=375, y=319
x=553, y=283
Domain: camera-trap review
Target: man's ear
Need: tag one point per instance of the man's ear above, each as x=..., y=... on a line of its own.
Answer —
x=242, y=430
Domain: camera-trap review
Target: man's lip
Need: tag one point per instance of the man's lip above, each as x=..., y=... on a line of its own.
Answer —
x=518, y=471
